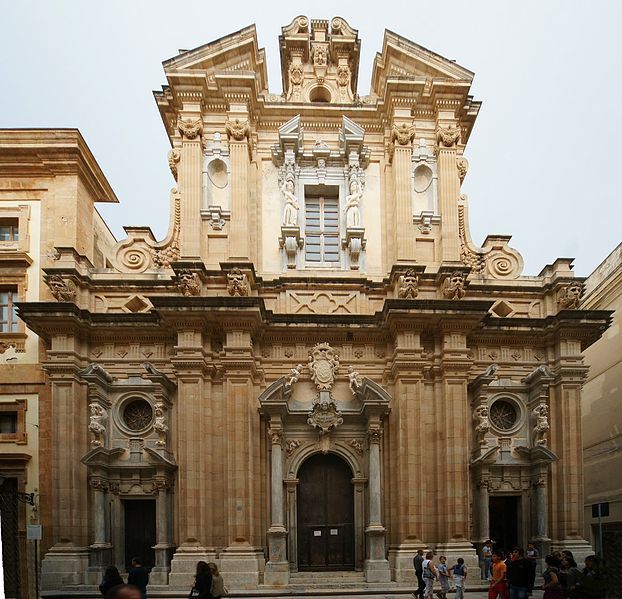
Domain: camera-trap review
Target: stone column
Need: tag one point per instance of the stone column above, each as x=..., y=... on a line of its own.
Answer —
x=483, y=514
x=159, y=573
x=238, y=134
x=99, y=511
x=190, y=126
x=541, y=508
x=100, y=549
x=277, y=568
x=376, y=564
x=448, y=137
x=292, y=514
x=402, y=135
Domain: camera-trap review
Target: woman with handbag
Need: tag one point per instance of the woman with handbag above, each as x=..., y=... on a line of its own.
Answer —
x=201, y=589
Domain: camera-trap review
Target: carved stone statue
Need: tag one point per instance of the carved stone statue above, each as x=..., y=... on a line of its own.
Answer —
x=63, y=291
x=482, y=426
x=237, y=283
x=541, y=427
x=323, y=364
x=174, y=156
x=159, y=424
x=290, y=212
x=408, y=285
x=188, y=282
x=294, y=375
x=355, y=380
x=454, y=286
x=570, y=295
x=98, y=430
x=353, y=200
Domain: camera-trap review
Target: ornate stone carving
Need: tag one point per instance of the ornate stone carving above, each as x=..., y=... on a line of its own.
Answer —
x=237, y=129
x=290, y=211
x=453, y=287
x=462, y=164
x=294, y=375
x=237, y=283
x=448, y=136
x=98, y=484
x=357, y=445
x=188, y=282
x=402, y=135
x=291, y=241
x=374, y=434
x=320, y=55
x=355, y=380
x=570, y=296
x=292, y=445
x=482, y=424
x=408, y=285
x=323, y=364
x=541, y=427
x=190, y=129
x=174, y=156
x=159, y=424
x=295, y=73
x=343, y=75
x=325, y=417
x=353, y=201
x=63, y=291
x=275, y=435
x=96, y=426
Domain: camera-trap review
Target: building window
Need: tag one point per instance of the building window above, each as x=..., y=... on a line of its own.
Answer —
x=8, y=423
x=322, y=229
x=8, y=311
x=137, y=414
x=9, y=229
x=503, y=415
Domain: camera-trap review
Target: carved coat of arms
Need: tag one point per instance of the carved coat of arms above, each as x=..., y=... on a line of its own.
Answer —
x=323, y=364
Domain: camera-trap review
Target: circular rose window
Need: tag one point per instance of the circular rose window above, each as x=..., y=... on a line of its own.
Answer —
x=503, y=415
x=137, y=414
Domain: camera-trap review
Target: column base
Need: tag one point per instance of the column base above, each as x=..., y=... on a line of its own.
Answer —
x=401, y=560
x=184, y=564
x=242, y=566
x=277, y=568
x=64, y=564
x=100, y=556
x=163, y=556
x=376, y=565
x=452, y=550
x=580, y=549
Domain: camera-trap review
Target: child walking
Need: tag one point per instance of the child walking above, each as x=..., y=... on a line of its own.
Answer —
x=459, y=572
x=443, y=575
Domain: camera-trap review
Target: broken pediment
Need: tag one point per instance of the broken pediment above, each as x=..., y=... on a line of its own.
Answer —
x=402, y=59
x=319, y=60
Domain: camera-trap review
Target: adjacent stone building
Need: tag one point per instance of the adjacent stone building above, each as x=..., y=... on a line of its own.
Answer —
x=316, y=369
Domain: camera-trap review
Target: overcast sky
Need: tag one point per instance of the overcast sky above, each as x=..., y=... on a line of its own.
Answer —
x=544, y=154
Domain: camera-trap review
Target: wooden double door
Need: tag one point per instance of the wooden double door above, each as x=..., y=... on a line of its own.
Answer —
x=325, y=514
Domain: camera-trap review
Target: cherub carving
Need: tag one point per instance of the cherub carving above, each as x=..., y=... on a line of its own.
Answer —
x=355, y=380
x=159, y=424
x=454, y=286
x=541, y=427
x=237, y=283
x=482, y=426
x=408, y=285
x=98, y=430
x=353, y=200
x=290, y=212
x=570, y=296
x=294, y=375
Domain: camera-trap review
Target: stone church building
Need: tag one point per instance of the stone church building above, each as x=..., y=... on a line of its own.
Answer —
x=316, y=369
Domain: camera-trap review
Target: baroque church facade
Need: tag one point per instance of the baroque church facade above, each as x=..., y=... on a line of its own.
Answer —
x=317, y=368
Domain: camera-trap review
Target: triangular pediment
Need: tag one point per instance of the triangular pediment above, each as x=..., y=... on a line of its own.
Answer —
x=403, y=59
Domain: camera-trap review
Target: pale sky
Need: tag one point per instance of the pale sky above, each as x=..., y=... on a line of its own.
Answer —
x=544, y=154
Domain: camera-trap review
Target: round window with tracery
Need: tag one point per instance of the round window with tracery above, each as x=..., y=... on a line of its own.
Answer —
x=503, y=415
x=137, y=414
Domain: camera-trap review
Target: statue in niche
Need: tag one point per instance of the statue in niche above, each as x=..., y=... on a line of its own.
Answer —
x=353, y=213
x=482, y=424
x=541, y=428
x=290, y=212
x=160, y=425
x=96, y=426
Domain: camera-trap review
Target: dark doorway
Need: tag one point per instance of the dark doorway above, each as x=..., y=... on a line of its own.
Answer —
x=140, y=531
x=325, y=514
x=504, y=522
x=10, y=544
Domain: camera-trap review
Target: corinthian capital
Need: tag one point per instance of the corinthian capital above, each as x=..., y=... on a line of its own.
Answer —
x=190, y=129
x=402, y=135
x=448, y=136
x=237, y=129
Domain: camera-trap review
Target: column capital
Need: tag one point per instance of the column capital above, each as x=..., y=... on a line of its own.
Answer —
x=190, y=129
x=276, y=436
x=374, y=434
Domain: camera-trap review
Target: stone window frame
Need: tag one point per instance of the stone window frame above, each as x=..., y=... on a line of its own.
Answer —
x=119, y=408
x=520, y=413
x=335, y=197
x=22, y=214
x=20, y=407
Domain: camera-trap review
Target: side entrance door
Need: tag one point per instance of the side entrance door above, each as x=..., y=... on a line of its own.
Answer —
x=140, y=531
x=325, y=514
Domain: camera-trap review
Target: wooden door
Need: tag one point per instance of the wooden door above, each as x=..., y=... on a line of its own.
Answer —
x=325, y=514
x=140, y=531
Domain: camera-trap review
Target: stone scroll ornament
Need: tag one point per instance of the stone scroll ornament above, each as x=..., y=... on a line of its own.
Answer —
x=96, y=426
x=63, y=291
x=325, y=417
x=323, y=364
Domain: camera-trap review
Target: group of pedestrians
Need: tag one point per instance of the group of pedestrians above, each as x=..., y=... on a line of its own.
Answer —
x=427, y=572
x=207, y=584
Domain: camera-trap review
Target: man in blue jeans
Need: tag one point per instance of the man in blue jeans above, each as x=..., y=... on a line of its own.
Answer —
x=519, y=574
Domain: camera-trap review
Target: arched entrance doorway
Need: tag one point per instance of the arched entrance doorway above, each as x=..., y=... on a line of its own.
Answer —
x=325, y=514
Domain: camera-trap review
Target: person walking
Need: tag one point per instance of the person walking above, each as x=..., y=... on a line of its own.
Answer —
x=429, y=575
x=552, y=587
x=138, y=576
x=202, y=586
x=487, y=557
x=459, y=572
x=498, y=586
x=111, y=579
x=591, y=584
x=218, y=586
x=418, y=565
x=519, y=574
x=443, y=576
x=569, y=575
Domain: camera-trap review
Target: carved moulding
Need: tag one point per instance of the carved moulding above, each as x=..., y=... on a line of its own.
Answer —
x=495, y=259
x=140, y=251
